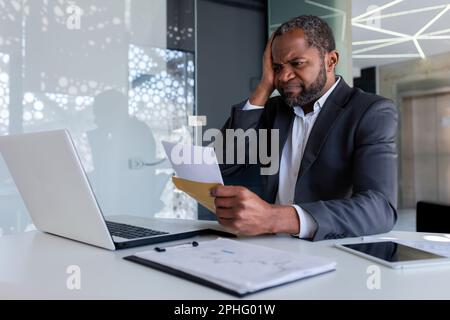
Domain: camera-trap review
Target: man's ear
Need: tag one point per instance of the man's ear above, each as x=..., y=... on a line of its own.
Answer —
x=333, y=60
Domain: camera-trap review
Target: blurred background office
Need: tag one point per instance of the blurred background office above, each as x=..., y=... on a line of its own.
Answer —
x=122, y=75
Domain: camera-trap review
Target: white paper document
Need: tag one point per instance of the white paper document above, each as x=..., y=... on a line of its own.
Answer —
x=193, y=163
x=240, y=267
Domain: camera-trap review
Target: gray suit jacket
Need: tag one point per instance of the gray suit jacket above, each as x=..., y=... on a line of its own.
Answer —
x=348, y=175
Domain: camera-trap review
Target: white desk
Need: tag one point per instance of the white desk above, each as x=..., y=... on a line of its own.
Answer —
x=33, y=265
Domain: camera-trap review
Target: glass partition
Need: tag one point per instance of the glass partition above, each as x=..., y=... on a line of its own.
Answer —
x=119, y=75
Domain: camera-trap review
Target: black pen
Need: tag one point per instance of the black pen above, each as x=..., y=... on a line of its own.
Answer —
x=181, y=245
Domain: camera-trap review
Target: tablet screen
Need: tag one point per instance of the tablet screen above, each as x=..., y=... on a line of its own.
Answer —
x=392, y=251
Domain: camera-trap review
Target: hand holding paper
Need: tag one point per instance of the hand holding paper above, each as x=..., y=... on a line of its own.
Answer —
x=197, y=171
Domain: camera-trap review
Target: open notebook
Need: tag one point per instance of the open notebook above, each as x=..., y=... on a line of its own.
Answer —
x=233, y=266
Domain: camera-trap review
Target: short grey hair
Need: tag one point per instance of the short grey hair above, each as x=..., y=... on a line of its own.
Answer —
x=318, y=33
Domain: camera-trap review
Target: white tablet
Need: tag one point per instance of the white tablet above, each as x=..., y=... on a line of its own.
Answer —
x=394, y=255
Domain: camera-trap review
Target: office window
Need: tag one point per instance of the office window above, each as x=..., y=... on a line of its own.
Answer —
x=119, y=75
x=404, y=48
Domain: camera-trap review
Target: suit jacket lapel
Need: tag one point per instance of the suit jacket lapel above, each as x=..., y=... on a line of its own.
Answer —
x=323, y=125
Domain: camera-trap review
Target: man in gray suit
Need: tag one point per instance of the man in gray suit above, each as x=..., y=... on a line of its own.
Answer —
x=338, y=162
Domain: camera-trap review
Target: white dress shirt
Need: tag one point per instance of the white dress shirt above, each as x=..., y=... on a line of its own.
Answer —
x=291, y=159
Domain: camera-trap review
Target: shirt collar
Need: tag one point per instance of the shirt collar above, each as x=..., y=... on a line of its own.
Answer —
x=319, y=103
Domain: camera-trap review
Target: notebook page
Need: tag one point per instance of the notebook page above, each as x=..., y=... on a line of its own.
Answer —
x=240, y=266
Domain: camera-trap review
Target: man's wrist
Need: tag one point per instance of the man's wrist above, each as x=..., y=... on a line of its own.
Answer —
x=261, y=94
x=284, y=220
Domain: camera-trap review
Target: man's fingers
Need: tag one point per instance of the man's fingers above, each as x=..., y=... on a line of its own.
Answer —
x=227, y=223
x=269, y=42
x=223, y=213
x=272, y=36
x=232, y=225
x=225, y=202
x=226, y=191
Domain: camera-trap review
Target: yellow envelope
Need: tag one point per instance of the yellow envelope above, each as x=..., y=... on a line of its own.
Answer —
x=197, y=190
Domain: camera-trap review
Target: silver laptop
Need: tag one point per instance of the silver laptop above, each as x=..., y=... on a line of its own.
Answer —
x=56, y=191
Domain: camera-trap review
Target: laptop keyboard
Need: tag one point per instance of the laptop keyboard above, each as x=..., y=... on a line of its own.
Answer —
x=131, y=232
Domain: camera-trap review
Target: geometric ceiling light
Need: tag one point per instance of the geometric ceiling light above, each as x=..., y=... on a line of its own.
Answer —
x=397, y=37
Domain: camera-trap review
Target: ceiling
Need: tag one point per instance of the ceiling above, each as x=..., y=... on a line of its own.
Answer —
x=386, y=31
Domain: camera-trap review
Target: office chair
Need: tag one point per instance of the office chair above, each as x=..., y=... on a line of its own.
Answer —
x=432, y=217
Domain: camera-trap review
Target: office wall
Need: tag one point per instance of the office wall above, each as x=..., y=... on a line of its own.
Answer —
x=425, y=152
x=231, y=37
x=414, y=75
x=418, y=87
x=230, y=42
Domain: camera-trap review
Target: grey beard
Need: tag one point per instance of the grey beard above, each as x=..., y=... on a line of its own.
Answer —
x=308, y=95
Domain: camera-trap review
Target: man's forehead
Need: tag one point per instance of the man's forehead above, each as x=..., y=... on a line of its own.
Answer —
x=290, y=44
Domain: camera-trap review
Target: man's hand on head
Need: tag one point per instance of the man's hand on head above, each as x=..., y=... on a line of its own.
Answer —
x=243, y=212
x=266, y=86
